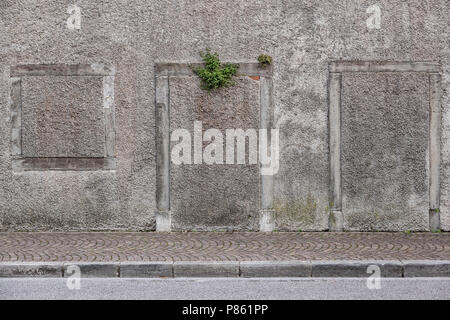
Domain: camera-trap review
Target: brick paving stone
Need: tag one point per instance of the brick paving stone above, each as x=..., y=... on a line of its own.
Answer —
x=217, y=246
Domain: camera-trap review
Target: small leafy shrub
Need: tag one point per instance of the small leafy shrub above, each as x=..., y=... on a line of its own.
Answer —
x=214, y=74
x=265, y=60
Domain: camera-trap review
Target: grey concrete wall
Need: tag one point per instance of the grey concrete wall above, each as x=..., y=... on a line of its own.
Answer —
x=214, y=196
x=385, y=133
x=117, y=190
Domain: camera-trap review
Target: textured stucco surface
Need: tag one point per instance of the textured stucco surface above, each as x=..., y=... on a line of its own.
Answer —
x=218, y=196
x=385, y=132
x=301, y=36
x=62, y=117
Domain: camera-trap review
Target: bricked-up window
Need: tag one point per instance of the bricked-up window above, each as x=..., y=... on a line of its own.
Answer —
x=63, y=117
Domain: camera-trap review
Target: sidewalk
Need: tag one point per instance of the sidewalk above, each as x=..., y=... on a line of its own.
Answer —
x=224, y=254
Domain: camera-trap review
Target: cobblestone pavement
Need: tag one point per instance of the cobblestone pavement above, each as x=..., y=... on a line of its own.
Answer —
x=120, y=246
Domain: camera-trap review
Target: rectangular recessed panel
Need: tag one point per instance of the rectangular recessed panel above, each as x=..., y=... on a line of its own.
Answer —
x=206, y=196
x=62, y=116
x=384, y=159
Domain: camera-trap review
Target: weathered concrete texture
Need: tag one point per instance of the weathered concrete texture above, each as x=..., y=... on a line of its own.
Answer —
x=146, y=269
x=388, y=269
x=31, y=269
x=244, y=269
x=385, y=133
x=426, y=268
x=162, y=141
x=91, y=269
x=62, y=117
x=81, y=200
x=206, y=269
x=336, y=221
x=266, y=220
x=214, y=196
x=301, y=186
x=314, y=33
x=445, y=152
x=61, y=164
x=95, y=69
x=249, y=269
x=301, y=36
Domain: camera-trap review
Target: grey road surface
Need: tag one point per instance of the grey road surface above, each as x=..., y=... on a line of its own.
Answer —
x=220, y=288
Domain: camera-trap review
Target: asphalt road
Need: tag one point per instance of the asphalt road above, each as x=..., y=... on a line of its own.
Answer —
x=220, y=288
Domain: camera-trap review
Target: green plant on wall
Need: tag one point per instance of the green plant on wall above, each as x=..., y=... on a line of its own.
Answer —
x=265, y=60
x=215, y=74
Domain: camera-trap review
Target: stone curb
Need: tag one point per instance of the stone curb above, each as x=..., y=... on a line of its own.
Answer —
x=92, y=269
x=243, y=269
x=426, y=268
x=202, y=269
x=256, y=269
x=161, y=269
x=356, y=269
x=31, y=269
